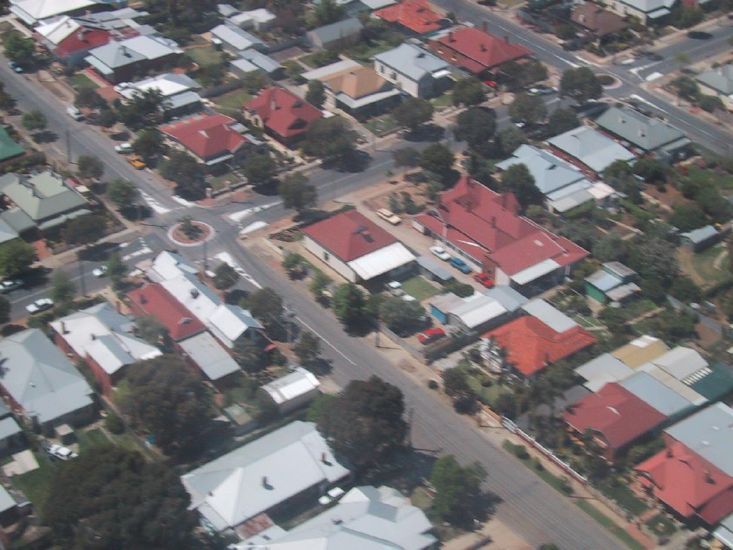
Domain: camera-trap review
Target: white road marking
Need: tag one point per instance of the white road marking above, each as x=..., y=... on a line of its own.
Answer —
x=653, y=76
x=254, y=226
x=237, y=217
x=231, y=262
x=144, y=249
x=183, y=202
x=153, y=203
x=639, y=98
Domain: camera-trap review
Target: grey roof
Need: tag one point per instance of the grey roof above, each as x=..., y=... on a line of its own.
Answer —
x=603, y=280
x=7, y=233
x=262, y=474
x=116, y=54
x=591, y=147
x=646, y=133
x=719, y=79
x=550, y=315
x=225, y=10
x=209, y=356
x=709, y=433
x=412, y=61
x=445, y=302
x=700, y=235
x=181, y=100
x=618, y=269
x=656, y=394
x=41, y=196
x=680, y=362
x=601, y=370
x=550, y=173
x=39, y=377
x=8, y=427
x=724, y=532
x=338, y=30
x=6, y=500
x=507, y=297
x=237, y=38
x=377, y=4
x=427, y=263
x=18, y=220
x=244, y=65
x=366, y=518
x=260, y=60
x=115, y=19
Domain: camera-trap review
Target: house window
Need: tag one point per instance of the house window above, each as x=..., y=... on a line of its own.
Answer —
x=326, y=256
x=393, y=75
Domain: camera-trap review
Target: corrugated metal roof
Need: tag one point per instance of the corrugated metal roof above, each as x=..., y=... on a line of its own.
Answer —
x=709, y=433
x=591, y=147
x=702, y=234
x=603, y=280
x=412, y=61
x=653, y=392
x=291, y=386
x=381, y=261
x=640, y=350
x=209, y=355
x=549, y=315
x=601, y=370
x=427, y=263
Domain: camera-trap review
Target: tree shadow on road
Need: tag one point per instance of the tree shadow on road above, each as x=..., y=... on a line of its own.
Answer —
x=426, y=132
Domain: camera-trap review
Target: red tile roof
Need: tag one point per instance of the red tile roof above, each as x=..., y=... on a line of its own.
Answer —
x=155, y=301
x=416, y=15
x=615, y=413
x=283, y=112
x=485, y=225
x=530, y=345
x=206, y=136
x=476, y=50
x=349, y=235
x=688, y=483
x=81, y=41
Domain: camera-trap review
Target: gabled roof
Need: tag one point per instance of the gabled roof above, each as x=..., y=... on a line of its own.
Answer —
x=237, y=38
x=338, y=30
x=655, y=393
x=615, y=413
x=709, y=433
x=415, y=15
x=8, y=147
x=56, y=29
x=648, y=134
x=41, y=196
x=81, y=41
x=283, y=112
x=206, y=136
x=40, y=378
x=549, y=172
x=168, y=84
x=602, y=22
x=32, y=11
x=640, y=350
x=479, y=50
x=155, y=301
x=412, y=61
x=356, y=83
x=259, y=60
x=209, y=355
x=262, y=474
x=719, y=79
x=591, y=148
x=116, y=54
x=291, y=386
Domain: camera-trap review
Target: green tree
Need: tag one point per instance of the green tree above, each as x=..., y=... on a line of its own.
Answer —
x=149, y=144
x=316, y=94
x=330, y=139
x=225, y=277
x=458, y=495
x=686, y=217
x=527, y=108
x=610, y=247
x=710, y=103
x=455, y=384
x=4, y=310
x=349, y=304
x=413, y=112
x=509, y=139
x=34, y=121
x=249, y=355
x=123, y=193
x=186, y=172
x=266, y=305
x=401, y=317
x=319, y=284
x=476, y=126
x=407, y=156
x=685, y=290
x=562, y=120
x=365, y=423
x=111, y=497
x=519, y=181
x=144, y=110
x=438, y=159
x=16, y=256
x=88, y=97
x=18, y=48
x=468, y=91
x=116, y=269
x=686, y=88
x=297, y=193
x=308, y=348
x=293, y=264
x=259, y=169
x=168, y=401
x=651, y=170
x=150, y=330
x=63, y=289
x=327, y=12
x=581, y=84
x=90, y=167
x=655, y=261
x=85, y=229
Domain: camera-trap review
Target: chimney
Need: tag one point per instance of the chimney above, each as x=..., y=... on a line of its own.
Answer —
x=483, y=47
x=63, y=328
x=709, y=477
x=450, y=37
x=94, y=337
x=143, y=299
x=119, y=306
x=184, y=321
x=265, y=483
x=194, y=293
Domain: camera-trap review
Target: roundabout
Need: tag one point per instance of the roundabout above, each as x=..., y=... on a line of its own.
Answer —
x=189, y=232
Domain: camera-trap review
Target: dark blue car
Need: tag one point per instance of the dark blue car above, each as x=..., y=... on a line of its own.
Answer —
x=460, y=265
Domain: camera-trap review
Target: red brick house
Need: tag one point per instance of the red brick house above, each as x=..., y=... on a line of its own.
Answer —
x=210, y=139
x=281, y=113
x=416, y=16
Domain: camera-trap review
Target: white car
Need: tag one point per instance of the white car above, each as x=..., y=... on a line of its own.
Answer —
x=123, y=148
x=61, y=452
x=8, y=285
x=440, y=252
x=42, y=304
x=389, y=216
x=100, y=271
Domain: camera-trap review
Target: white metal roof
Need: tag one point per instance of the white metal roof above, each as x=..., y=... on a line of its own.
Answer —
x=323, y=72
x=680, y=362
x=709, y=433
x=299, y=382
x=168, y=84
x=550, y=315
x=478, y=309
x=535, y=272
x=209, y=355
x=602, y=370
x=32, y=11
x=55, y=30
x=381, y=261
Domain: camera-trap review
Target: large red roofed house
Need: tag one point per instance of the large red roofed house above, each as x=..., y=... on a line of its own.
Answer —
x=693, y=475
x=211, y=139
x=485, y=227
x=281, y=113
x=417, y=16
x=357, y=248
x=152, y=300
x=615, y=417
x=477, y=51
x=72, y=49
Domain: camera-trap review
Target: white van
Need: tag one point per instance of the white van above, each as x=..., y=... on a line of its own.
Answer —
x=74, y=113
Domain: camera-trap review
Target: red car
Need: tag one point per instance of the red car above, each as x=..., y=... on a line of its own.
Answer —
x=490, y=83
x=484, y=279
x=430, y=335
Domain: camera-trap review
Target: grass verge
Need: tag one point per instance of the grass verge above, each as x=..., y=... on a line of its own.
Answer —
x=606, y=522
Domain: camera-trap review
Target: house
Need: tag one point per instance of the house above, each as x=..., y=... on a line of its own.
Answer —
x=12, y=438
x=233, y=39
x=40, y=383
x=260, y=19
x=719, y=82
x=356, y=90
x=179, y=92
x=68, y=40
x=647, y=12
x=589, y=149
x=294, y=390
x=209, y=138
x=564, y=186
x=433, y=270
x=336, y=35
x=252, y=60
x=123, y=60
x=640, y=351
x=7, y=233
x=367, y=518
x=614, y=417
x=414, y=70
x=40, y=201
x=480, y=311
x=701, y=238
x=9, y=148
x=484, y=228
x=644, y=135
x=281, y=113
x=413, y=16
x=597, y=22
x=477, y=51
x=357, y=248
x=262, y=477
x=105, y=340
x=32, y=12
x=693, y=475
x=614, y=283
x=528, y=344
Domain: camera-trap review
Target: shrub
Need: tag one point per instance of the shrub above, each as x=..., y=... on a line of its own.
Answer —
x=520, y=451
x=114, y=424
x=433, y=385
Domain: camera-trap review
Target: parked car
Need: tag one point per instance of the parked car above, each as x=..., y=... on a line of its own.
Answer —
x=440, y=253
x=42, y=304
x=9, y=284
x=74, y=113
x=699, y=35
x=484, y=280
x=490, y=83
x=60, y=452
x=541, y=89
x=430, y=335
x=136, y=162
x=460, y=265
x=13, y=65
x=100, y=271
x=123, y=148
x=389, y=216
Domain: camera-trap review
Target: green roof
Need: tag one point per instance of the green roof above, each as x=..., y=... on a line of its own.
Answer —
x=714, y=384
x=41, y=196
x=8, y=147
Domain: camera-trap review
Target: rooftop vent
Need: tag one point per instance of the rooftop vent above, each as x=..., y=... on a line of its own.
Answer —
x=194, y=293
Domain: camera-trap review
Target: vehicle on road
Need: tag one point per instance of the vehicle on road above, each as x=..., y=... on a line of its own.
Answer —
x=484, y=279
x=100, y=271
x=136, y=162
x=124, y=148
x=430, y=335
x=60, y=452
x=74, y=113
x=541, y=89
x=699, y=35
x=8, y=284
x=17, y=68
x=389, y=216
x=460, y=265
x=42, y=304
x=440, y=253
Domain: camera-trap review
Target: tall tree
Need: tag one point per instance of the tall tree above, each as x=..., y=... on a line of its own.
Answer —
x=330, y=139
x=519, y=181
x=225, y=277
x=581, y=84
x=186, y=172
x=267, y=306
x=308, y=348
x=34, y=121
x=249, y=355
x=4, y=310
x=259, y=169
x=297, y=193
x=16, y=256
x=90, y=166
x=116, y=269
x=144, y=110
x=468, y=91
x=413, y=112
x=562, y=120
x=401, y=317
x=527, y=108
x=509, y=139
x=85, y=229
x=123, y=193
x=459, y=498
x=316, y=94
x=349, y=304
x=476, y=126
x=149, y=144
x=438, y=159
x=18, y=48
x=63, y=289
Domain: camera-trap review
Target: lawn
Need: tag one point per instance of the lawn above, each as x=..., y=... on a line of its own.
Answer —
x=722, y=180
x=558, y=483
x=36, y=484
x=701, y=267
x=232, y=102
x=220, y=182
x=442, y=101
x=80, y=81
x=204, y=56
x=91, y=438
x=606, y=522
x=623, y=496
x=364, y=52
x=662, y=525
x=420, y=288
x=487, y=394
x=381, y=125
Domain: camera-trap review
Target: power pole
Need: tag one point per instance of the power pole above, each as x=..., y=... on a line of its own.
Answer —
x=82, y=284
x=206, y=259
x=68, y=145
